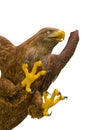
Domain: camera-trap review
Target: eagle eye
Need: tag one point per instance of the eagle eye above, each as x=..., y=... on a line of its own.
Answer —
x=48, y=32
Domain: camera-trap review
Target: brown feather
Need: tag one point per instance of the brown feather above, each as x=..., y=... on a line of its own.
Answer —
x=15, y=102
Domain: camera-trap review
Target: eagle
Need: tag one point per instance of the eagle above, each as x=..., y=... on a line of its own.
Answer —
x=35, y=53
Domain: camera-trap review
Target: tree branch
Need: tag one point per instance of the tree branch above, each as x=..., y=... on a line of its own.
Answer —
x=57, y=62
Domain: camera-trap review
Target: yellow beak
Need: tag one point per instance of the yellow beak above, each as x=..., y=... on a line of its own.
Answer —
x=57, y=35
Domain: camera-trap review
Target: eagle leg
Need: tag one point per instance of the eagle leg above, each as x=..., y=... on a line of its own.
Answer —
x=49, y=102
x=32, y=76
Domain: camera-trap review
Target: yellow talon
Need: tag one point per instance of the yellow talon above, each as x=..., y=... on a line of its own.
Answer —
x=49, y=102
x=32, y=76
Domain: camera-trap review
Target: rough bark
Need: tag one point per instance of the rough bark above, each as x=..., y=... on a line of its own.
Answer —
x=57, y=62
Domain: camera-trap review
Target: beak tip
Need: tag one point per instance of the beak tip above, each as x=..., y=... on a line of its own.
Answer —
x=63, y=34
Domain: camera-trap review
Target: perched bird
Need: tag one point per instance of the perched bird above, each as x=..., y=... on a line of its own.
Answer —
x=35, y=48
x=15, y=102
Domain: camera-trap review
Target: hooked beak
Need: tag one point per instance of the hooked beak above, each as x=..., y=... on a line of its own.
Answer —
x=57, y=35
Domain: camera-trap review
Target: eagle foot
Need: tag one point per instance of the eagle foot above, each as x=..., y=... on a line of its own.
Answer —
x=49, y=102
x=32, y=76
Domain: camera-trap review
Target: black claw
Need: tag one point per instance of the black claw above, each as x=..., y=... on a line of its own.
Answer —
x=44, y=61
x=48, y=93
x=31, y=92
x=60, y=93
x=50, y=114
x=66, y=97
x=26, y=62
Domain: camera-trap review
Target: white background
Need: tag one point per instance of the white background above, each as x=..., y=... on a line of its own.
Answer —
x=20, y=19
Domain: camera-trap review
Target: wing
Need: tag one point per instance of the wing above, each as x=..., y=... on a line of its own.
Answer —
x=6, y=49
